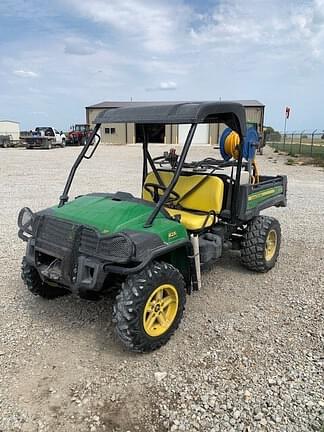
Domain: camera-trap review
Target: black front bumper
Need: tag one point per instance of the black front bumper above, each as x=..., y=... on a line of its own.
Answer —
x=56, y=265
x=73, y=255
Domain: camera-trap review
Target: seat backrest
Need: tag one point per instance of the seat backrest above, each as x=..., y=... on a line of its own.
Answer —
x=207, y=191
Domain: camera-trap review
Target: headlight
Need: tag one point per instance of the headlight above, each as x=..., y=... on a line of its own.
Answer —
x=25, y=223
x=118, y=248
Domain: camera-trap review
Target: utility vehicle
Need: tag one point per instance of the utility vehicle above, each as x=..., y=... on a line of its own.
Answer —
x=45, y=137
x=152, y=249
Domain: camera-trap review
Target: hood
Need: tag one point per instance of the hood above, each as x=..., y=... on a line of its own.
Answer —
x=107, y=213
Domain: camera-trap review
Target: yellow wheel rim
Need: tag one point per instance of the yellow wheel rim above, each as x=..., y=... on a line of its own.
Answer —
x=271, y=245
x=160, y=310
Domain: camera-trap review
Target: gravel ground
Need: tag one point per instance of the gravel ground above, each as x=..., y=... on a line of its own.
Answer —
x=248, y=355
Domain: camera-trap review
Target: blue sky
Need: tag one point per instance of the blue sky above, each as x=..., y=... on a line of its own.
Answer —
x=59, y=56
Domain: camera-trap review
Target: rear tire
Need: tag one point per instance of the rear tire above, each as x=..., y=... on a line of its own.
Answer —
x=261, y=244
x=35, y=284
x=149, y=307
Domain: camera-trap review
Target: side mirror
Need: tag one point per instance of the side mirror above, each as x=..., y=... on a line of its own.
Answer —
x=61, y=133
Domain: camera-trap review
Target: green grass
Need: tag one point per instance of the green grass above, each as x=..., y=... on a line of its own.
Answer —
x=295, y=148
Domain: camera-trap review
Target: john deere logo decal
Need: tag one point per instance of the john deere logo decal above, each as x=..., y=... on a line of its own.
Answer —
x=172, y=235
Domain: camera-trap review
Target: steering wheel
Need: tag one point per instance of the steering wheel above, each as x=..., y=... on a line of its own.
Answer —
x=153, y=189
x=161, y=160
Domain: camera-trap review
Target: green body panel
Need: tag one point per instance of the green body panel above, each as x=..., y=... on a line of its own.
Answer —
x=111, y=216
x=256, y=198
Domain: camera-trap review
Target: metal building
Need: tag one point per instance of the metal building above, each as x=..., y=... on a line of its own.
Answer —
x=10, y=128
x=169, y=134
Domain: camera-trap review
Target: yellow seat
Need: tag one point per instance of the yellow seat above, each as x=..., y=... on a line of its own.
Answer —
x=205, y=194
x=192, y=221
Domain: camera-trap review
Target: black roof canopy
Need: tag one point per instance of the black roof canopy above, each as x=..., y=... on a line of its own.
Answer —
x=230, y=113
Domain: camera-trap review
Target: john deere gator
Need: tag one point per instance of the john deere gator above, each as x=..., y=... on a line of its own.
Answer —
x=150, y=249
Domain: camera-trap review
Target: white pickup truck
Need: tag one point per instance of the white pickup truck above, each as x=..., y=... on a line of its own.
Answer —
x=45, y=137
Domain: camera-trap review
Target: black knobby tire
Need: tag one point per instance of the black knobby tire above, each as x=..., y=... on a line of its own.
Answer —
x=113, y=285
x=254, y=244
x=35, y=284
x=130, y=303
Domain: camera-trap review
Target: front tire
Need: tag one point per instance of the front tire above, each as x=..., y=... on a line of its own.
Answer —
x=35, y=284
x=261, y=244
x=149, y=307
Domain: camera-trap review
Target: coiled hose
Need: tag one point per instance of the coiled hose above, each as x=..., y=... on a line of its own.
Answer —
x=232, y=149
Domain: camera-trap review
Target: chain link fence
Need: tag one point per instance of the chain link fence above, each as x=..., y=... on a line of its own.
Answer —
x=298, y=142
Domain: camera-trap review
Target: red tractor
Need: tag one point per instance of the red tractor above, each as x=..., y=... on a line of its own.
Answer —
x=78, y=134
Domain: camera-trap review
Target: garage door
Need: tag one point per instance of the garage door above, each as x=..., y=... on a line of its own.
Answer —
x=201, y=136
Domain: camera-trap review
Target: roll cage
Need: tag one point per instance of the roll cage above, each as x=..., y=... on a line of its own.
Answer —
x=193, y=113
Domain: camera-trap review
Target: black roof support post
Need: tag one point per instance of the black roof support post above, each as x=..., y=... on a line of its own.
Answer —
x=176, y=176
x=65, y=195
x=144, y=155
x=148, y=157
x=155, y=171
x=235, y=194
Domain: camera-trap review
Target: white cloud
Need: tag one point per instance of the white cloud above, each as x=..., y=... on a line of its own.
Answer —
x=157, y=26
x=25, y=73
x=168, y=85
x=273, y=26
x=164, y=86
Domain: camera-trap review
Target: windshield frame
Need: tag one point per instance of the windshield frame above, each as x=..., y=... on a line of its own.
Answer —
x=148, y=159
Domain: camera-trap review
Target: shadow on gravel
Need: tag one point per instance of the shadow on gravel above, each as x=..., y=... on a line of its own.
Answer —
x=73, y=317
x=230, y=261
